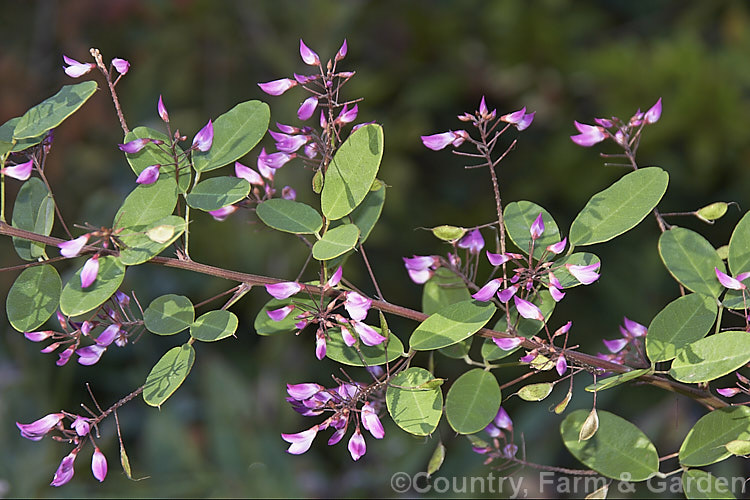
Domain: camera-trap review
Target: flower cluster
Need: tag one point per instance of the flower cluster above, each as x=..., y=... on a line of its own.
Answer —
x=632, y=334
x=355, y=304
x=114, y=321
x=625, y=134
x=500, y=430
x=344, y=402
x=77, y=433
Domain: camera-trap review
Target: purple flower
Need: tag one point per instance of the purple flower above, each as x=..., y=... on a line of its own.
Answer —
x=554, y=288
x=75, y=68
x=728, y=392
x=301, y=441
x=308, y=56
x=371, y=422
x=64, y=472
x=162, y=110
x=488, y=291
x=357, y=306
x=633, y=328
x=121, y=65
x=303, y=391
x=589, y=134
x=473, y=241
x=558, y=247
x=148, y=175
x=508, y=344
x=654, y=113
x=506, y=294
x=36, y=430
x=289, y=143
x=279, y=314
x=277, y=87
x=247, y=173
x=99, y=464
x=347, y=115
x=520, y=119
x=81, y=425
x=204, y=138
x=64, y=356
x=357, y=446
x=561, y=365
x=89, y=271
x=349, y=339
x=584, y=274
x=367, y=334
x=335, y=278
x=108, y=335
x=283, y=290
x=320, y=345
x=341, y=52
x=527, y=309
x=90, y=355
x=537, y=227
x=731, y=283
x=440, y=141
x=134, y=146
x=20, y=172
x=616, y=345
x=421, y=268
x=222, y=213
x=72, y=248
x=38, y=336
x=307, y=108
x=288, y=193
x=274, y=160
x=502, y=420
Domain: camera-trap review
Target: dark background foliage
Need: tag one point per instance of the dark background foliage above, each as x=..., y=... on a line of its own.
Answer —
x=418, y=64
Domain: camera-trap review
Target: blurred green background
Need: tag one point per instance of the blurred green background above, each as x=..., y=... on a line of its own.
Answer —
x=418, y=65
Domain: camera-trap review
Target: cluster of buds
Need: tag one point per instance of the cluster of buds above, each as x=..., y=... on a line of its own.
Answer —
x=355, y=304
x=115, y=319
x=500, y=430
x=77, y=433
x=344, y=402
x=75, y=69
x=630, y=343
x=625, y=133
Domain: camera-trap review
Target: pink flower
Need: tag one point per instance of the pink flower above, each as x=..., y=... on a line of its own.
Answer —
x=357, y=306
x=341, y=52
x=502, y=420
x=274, y=160
x=277, y=87
x=301, y=441
x=90, y=355
x=472, y=241
x=616, y=345
x=303, y=391
x=585, y=274
x=520, y=119
x=247, y=173
x=64, y=472
x=121, y=65
x=506, y=294
x=38, y=336
x=81, y=425
x=508, y=344
x=440, y=141
x=288, y=193
x=20, y=172
x=357, y=446
x=371, y=422
x=148, y=175
x=421, y=268
x=488, y=291
x=633, y=328
x=537, y=227
x=349, y=339
x=347, y=115
x=561, y=365
x=307, y=108
x=320, y=345
x=36, y=430
x=279, y=314
x=99, y=464
x=335, y=278
x=162, y=110
x=108, y=335
x=589, y=134
x=367, y=334
x=134, y=146
x=72, y=248
x=289, y=143
x=64, y=356
x=654, y=113
x=89, y=271
x=204, y=138
x=527, y=309
x=731, y=283
x=308, y=56
x=728, y=392
x=75, y=68
x=222, y=213
x=283, y=290
x=558, y=247
x=554, y=288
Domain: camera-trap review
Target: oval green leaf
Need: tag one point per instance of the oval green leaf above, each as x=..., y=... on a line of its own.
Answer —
x=152, y=154
x=620, y=207
x=616, y=380
x=698, y=484
x=443, y=289
x=214, y=325
x=168, y=374
x=472, y=401
x=705, y=444
x=236, y=132
x=415, y=409
x=352, y=172
x=535, y=392
x=519, y=215
x=147, y=204
x=711, y=357
x=683, y=321
x=6, y=138
x=75, y=300
x=451, y=324
x=289, y=216
x=338, y=351
x=217, y=192
x=618, y=450
x=367, y=213
x=33, y=211
x=336, y=241
x=51, y=112
x=691, y=260
x=739, y=247
x=33, y=298
x=140, y=247
x=169, y=314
